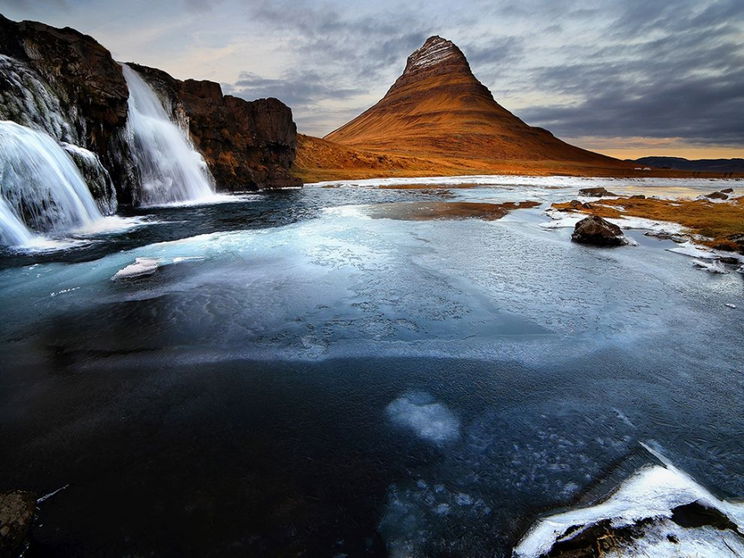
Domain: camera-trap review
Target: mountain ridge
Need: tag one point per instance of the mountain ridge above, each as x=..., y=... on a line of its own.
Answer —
x=733, y=165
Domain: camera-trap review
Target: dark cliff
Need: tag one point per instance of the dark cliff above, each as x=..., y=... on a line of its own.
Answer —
x=67, y=84
x=80, y=98
x=247, y=144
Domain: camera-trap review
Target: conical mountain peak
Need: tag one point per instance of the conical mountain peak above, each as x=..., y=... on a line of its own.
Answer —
x=437, y=56
x=437, y=109
x=436, y=52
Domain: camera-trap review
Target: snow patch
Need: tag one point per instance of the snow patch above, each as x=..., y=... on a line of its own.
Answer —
x=651, y=493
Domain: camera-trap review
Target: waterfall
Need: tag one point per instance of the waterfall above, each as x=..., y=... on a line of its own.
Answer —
x=41, y=189
x=170, y=168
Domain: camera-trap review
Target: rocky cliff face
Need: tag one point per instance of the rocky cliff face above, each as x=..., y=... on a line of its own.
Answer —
x=66, y=84
x=247, y=144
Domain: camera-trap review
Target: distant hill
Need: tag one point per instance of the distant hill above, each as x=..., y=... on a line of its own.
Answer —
x=709, y=165
x=437, y=118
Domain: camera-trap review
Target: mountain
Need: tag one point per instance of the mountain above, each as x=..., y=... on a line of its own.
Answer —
x=438, y=112
x=706, y=165
x=437, y=107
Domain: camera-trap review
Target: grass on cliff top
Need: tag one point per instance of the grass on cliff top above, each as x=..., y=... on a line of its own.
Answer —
x=716, y=221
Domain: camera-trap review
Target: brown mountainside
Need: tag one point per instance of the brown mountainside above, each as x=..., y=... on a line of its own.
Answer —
x=438, y=118
x=438, y=107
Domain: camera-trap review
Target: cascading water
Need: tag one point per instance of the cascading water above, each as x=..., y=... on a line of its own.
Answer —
x=27, y=99
x=170, y=169
x=41, y=189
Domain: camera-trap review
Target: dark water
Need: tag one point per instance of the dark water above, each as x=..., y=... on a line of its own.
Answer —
x=317, y=383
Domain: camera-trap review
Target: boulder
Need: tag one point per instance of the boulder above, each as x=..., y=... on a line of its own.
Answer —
x=595, y=192
x=716, y=196
x=598, y=232
x=727, y=191
x=576, y=205
x=17, y=510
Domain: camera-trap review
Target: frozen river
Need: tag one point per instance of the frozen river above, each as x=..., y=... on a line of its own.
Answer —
x=297, y=374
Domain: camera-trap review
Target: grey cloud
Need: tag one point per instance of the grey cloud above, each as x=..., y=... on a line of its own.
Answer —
x=301, y=88
x=675, y=84
x=636, y=67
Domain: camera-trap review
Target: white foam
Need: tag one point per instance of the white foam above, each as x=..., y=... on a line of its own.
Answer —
x=112, y=224
x=209, y=199
x=429, y=420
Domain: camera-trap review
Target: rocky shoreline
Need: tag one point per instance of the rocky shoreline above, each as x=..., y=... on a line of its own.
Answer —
x=709, y=227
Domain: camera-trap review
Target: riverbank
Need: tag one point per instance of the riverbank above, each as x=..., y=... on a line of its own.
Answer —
x=717, y=224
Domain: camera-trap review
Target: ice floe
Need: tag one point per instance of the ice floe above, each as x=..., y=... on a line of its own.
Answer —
x=141, y=266
x=148, y=266
x=694, y=251
x=712, y=266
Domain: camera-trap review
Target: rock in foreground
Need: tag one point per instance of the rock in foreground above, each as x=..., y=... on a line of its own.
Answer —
x=598, y=232
x=16, y=513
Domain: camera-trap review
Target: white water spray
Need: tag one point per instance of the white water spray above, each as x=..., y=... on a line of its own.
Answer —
x=171, y=170
x=41, y=189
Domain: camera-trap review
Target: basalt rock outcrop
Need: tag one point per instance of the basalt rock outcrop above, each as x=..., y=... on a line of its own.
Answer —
x=247, y=144
x=65, y=83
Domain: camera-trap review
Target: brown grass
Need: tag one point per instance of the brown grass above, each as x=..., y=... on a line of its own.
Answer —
x=717, y=221
x=319, y=160
x=428, y=211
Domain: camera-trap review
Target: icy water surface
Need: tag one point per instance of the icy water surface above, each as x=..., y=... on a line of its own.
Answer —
x=295, y=376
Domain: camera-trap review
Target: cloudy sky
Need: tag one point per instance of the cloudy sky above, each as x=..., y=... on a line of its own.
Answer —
x=624, y=77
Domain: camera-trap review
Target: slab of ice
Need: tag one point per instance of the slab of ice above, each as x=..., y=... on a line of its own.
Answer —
x=651, y=493
x=430, y=420
x=712, y=266
x=141, y=266
x=694, y=251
